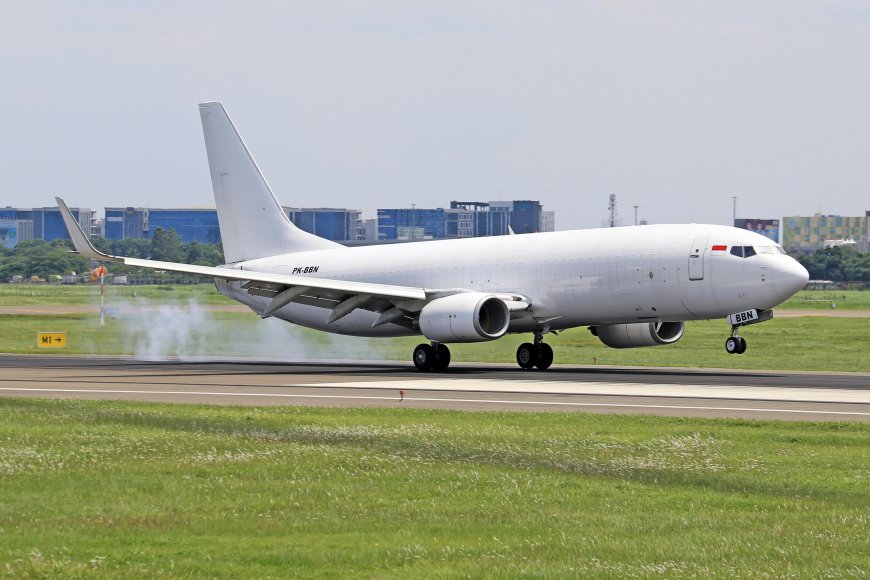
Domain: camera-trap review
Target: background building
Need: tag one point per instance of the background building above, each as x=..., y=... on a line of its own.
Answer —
x=805, y=235
x=48, y=223
x=548, y=221
x=16, y=225
x=8, y=233
x=367, y=230
x=474, y=219
x=336, y=224
x=526, y=216
x=192, y=224
x=766, y=227
x=464, y=219
x=122, y=223
x=411, y=224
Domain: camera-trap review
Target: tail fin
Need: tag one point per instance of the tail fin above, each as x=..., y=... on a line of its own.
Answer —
x=252, y=223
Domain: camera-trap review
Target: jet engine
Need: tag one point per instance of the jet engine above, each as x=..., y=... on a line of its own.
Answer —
x=465, y=317
x=639, y=334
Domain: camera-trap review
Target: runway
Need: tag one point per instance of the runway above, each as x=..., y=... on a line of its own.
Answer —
x=470, y=387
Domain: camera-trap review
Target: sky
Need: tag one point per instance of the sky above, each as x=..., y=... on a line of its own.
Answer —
x=673, y=106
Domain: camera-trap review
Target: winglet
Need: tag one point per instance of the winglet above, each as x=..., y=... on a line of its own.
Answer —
x=81, y=242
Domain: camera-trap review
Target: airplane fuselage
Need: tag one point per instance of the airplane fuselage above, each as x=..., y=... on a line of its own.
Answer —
x=633, y=286
x=576, y=278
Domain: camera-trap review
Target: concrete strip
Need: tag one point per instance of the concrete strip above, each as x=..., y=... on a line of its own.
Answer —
x=503, y=401
x=617, y=389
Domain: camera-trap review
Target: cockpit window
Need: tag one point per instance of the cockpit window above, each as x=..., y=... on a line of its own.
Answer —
x=749, y=251
x=769, y=249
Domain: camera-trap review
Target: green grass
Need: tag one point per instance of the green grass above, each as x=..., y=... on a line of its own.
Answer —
x=159, y=321
x=112, y=489
x=799, y=343
x=32, y=295
x=45, y=295
x=829, y=299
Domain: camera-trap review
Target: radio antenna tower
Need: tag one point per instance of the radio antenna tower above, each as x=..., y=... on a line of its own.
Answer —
x=612, y=207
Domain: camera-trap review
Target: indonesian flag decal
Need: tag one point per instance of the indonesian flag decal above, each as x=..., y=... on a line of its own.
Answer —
x=720, y=248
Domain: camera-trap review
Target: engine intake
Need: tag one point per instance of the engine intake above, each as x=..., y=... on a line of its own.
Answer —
x=639, y=334
x=465, y=317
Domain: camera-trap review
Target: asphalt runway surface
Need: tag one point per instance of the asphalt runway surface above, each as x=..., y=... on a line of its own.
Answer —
x=470, y=387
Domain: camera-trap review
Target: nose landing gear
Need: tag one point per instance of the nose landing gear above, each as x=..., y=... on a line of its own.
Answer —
x=735, y=344
x=538, y=355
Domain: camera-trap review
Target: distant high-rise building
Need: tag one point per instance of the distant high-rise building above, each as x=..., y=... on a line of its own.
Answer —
x=191, y=224
x=336, y=224
x=548, y=221
x=367, y=230
x=411, y=224
x=464, y=219
x=474, y=219
x=766, y=227
x=123, y=223
x=805, y=235
x=48, y=224
x=201, y=224
x=526, y=216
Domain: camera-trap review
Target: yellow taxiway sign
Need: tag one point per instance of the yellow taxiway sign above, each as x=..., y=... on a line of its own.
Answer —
x=51, y=339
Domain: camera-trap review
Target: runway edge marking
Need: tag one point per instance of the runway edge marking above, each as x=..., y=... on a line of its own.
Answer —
x=443, y=400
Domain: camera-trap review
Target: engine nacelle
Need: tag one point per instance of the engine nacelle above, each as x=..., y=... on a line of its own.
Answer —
x=465, y=317
x=639, y=334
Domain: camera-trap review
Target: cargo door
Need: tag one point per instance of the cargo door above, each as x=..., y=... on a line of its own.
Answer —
x=696, y=258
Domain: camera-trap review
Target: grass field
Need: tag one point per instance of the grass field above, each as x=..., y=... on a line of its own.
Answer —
x=40, y=295
x=34, y=295
x=797, y=343
x=110, y=489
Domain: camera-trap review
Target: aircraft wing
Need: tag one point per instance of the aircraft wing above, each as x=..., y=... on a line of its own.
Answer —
x=342, y=296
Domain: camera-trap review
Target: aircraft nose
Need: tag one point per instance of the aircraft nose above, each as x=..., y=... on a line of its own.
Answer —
x=791, y=276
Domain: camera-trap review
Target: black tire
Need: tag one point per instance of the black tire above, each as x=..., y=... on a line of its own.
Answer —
x=544, y=357
x=442, y=358
x=424, y=357
x=741, y=348
x=526, y=356
x=732, y=345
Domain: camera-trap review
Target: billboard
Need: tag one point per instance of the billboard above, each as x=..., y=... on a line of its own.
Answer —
x=8, y=233
x=765, y=227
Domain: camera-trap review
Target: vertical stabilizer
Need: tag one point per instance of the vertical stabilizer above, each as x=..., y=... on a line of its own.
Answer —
x=252, y=223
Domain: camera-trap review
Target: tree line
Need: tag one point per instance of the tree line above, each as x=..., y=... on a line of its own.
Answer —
x=44, y=259
x=837, y=264
x=55, y=258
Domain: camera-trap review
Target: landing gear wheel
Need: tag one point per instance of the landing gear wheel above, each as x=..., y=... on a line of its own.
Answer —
x=526, y=356
x=741, y=347
x=544, y=357
x=732, y=345
x=442, y=357
x=425, y=357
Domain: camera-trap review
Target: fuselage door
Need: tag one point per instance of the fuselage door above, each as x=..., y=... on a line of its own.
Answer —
x=696, y=258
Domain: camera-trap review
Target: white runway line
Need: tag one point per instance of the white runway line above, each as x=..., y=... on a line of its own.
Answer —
x=436, y=400
x=795, y=394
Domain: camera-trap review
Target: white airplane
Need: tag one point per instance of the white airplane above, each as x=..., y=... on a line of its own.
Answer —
x=632, y=286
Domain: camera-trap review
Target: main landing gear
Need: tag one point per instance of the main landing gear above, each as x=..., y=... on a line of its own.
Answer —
x=538, y=355
x=434, y=357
